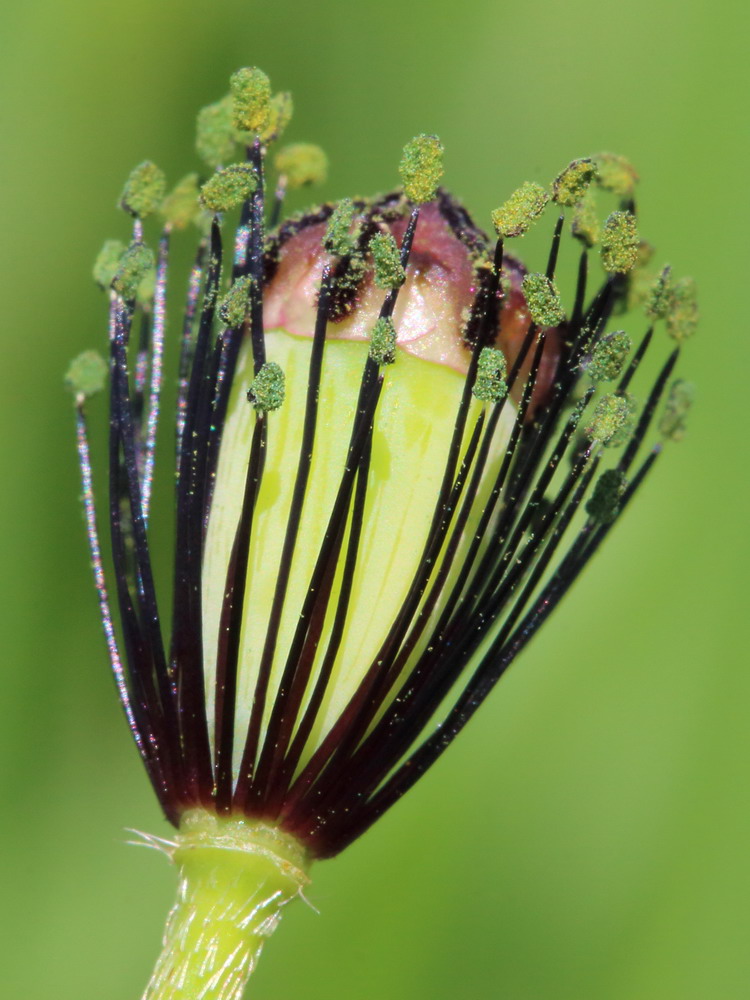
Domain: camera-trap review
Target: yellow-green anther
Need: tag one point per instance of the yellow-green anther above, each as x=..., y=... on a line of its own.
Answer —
x=610, y=416
x=228, y=187
x=387, y=259
x=525, y=205
x=673, y=421
x=251, y=100
x=658, y=300
x=181, y=206
x=682, y=318
x=266, y=391
x=302, y=163
x=490, y=385
x=215, y=140
x=543, y=300
x=107, y=263
x=144, y=293
x=615, y=174
x=338, y=239
x=144, y=190
x=87, y=374
x=585, y=222
x=571, y=185
x=383, y=341
x=609, y=356
x=421, y=168
x=281, y=111
x=620, y=243
x=134, y=267
x=233, y=307
x=604, y=504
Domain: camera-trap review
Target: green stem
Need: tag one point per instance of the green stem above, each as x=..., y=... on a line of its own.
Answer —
x=236, y=876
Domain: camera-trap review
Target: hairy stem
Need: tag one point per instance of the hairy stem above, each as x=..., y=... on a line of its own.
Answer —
x=236, y=876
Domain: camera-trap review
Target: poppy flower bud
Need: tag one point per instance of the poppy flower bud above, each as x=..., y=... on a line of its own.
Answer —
x=372, y=515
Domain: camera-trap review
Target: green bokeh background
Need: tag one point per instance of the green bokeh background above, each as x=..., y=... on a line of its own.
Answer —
x=588, y=835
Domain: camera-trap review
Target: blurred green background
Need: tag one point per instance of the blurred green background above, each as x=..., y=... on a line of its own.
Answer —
x=588, y=835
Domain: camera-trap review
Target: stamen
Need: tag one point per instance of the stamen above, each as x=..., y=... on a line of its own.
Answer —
x=604, y=503
x=215, y=140
x=682, y=319
x=158, y=330
x=615, y=174
x=228, y=187
x=181, y=205
x=301, y=164
x=609, y=357
x=134, y=265
x=144, y=190
x=251, y=100
x=386, y=257
x=421, y=168
x=383, y=342
x=543, y=300
x=673, y=422
x=266, y=391
x=585, y=222
x=573, y=182
x=490, y=385
x=524, y=207
x=620, y=243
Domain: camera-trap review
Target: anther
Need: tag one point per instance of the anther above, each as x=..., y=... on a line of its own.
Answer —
x=251, y=100
x=144, y=190
x=266, y=391
x=516, y=215
x=620, y=243
x=543, y=300
x=302, y=164
x=490, y=385
x=383, y=341
x=421, y=168
x=386, y=257
x=228, y=187
x=573, y=182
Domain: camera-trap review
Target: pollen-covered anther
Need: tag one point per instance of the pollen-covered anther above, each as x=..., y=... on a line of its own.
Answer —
x=134, y=268
x=387, y=260
x=609, y=356
x=233, y=307
x=86, y=375
x=490, y=385
x=659, y=297
x=281, y=111
x=251, y=100
x=107, y=263
x=181, y=205
x=383, y=341
x=228, y=188
x=611, y=415
x=516, y=215
x=302, y=163
x=215, y=140
x=266, y=391
x=339, y=239
x=421, y=168
x=615, y=173
x=673, y=423
x=144, y=190
x=543, y=300
x=573, y=182
x=584, y=225
x=620, y=243
x=604, y=504
x=682, y=318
